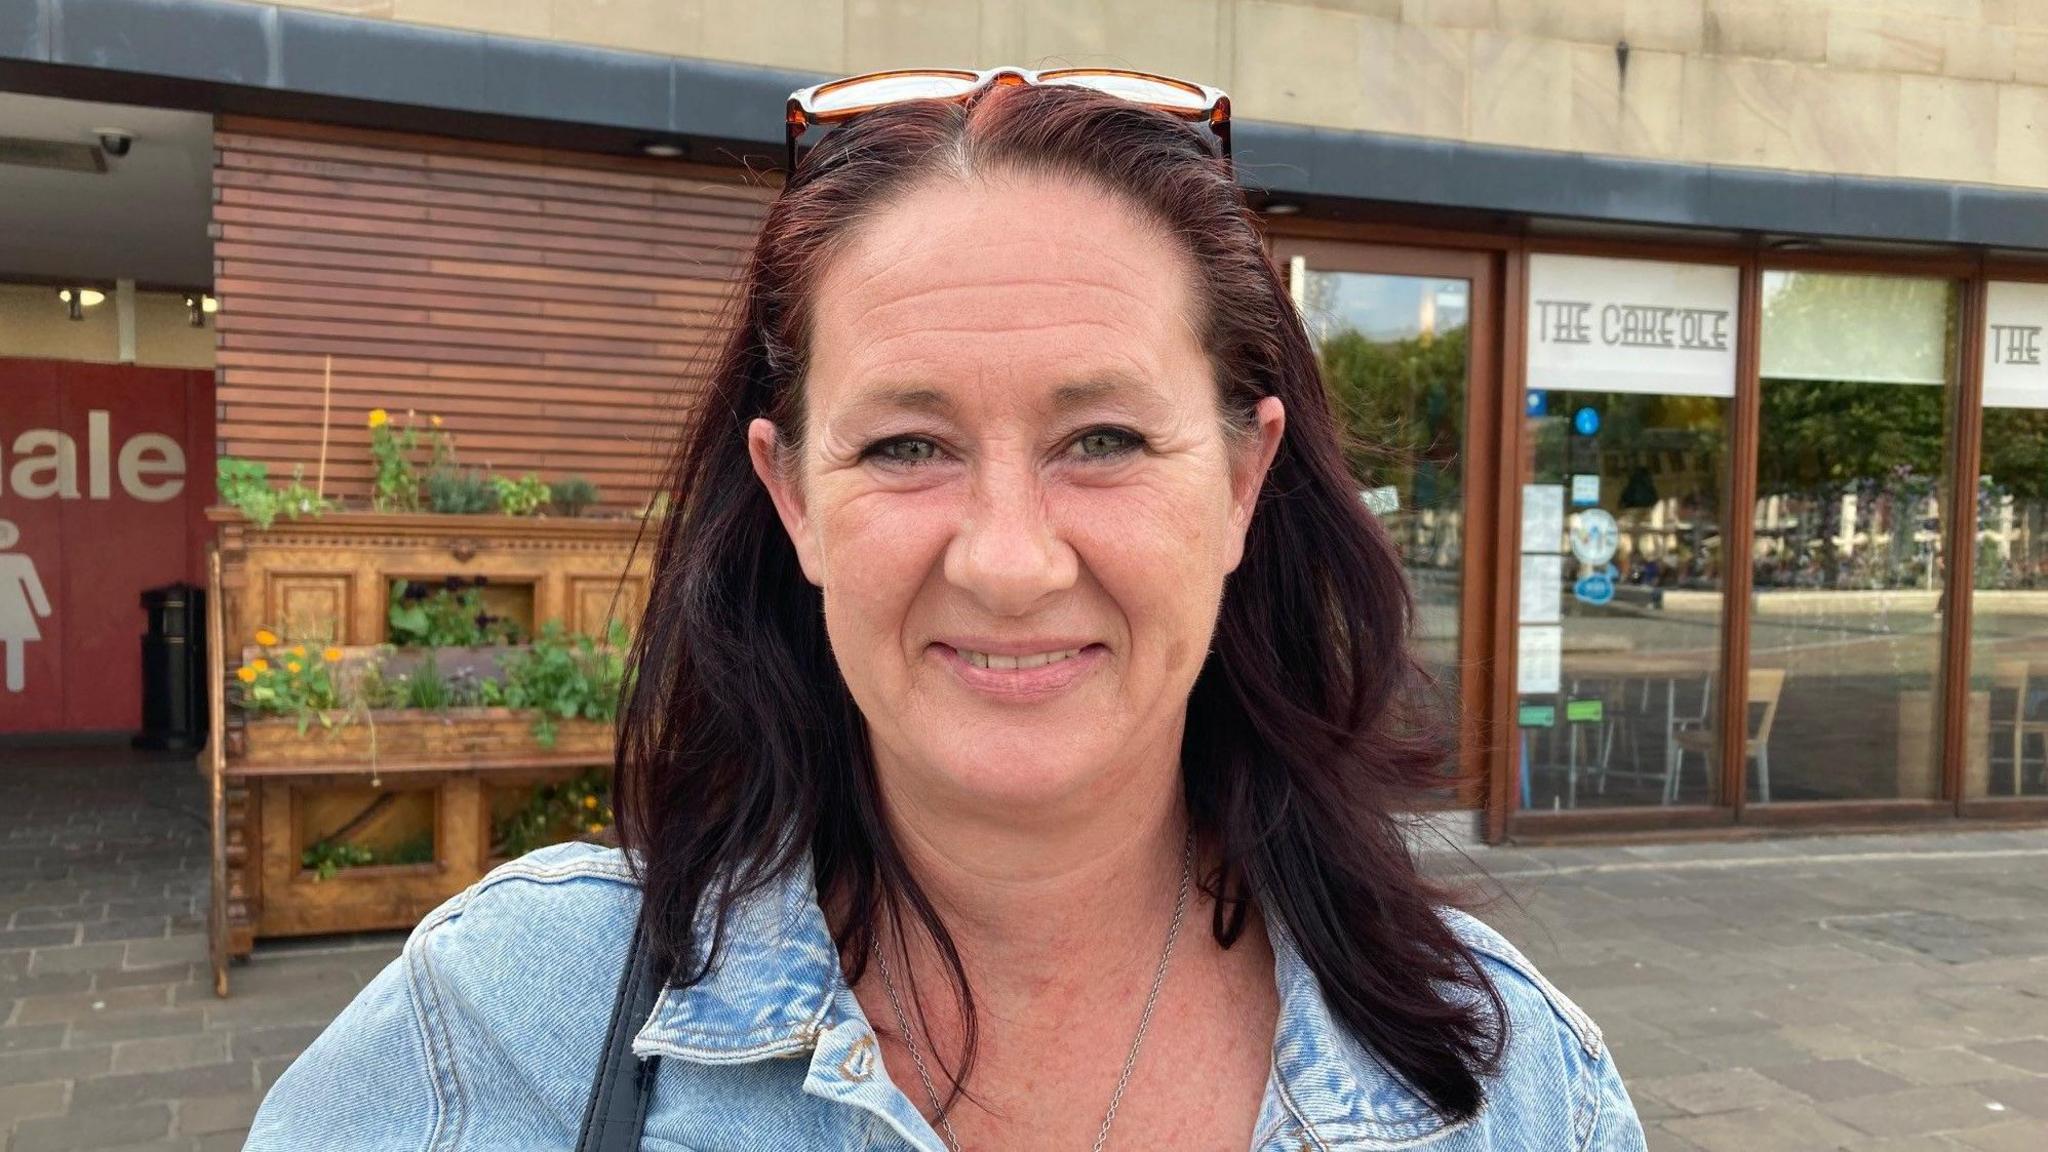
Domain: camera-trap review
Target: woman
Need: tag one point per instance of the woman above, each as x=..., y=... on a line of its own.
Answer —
x=1018, y=743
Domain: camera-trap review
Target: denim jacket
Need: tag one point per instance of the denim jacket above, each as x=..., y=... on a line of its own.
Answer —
x=486, y=1031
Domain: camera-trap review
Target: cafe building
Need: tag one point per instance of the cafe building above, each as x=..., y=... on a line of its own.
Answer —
x=1695, y=349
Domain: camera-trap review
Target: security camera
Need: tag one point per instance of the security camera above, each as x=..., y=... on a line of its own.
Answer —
x=116, y=141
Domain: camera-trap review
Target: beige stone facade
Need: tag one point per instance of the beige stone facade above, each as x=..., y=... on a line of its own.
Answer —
x=1935, y=89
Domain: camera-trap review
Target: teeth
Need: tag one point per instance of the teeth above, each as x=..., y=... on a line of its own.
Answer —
x=1012, y=663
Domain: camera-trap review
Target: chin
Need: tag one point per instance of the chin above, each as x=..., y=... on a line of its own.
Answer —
x=1025, y=766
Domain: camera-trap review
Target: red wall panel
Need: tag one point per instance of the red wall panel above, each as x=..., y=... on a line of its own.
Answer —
x=124, y=514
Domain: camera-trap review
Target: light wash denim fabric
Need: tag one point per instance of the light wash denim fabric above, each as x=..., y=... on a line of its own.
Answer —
x=486, y=1031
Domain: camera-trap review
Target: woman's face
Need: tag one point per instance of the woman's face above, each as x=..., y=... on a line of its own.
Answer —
x=1015, y=487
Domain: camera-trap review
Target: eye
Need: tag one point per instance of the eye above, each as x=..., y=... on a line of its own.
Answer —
x=903, y=450
x=1105, y=443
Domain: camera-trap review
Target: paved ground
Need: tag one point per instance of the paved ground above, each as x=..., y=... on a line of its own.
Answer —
x=1867, y=993
x=1861, y=993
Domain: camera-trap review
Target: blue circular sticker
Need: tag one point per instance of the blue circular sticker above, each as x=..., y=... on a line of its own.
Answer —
x=1586, y=421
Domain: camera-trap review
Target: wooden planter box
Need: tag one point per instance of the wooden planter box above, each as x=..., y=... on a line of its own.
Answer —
x=411, y=740
x=390, y=776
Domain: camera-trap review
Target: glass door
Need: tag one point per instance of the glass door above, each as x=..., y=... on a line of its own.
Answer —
x=1625, y=419
x=1845, y=639
x=1404, y=335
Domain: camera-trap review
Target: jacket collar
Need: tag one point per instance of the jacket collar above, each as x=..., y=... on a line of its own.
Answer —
x=777, y=991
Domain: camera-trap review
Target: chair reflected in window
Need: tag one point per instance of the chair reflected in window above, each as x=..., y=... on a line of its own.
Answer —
x=1766, y=685
x=2019, y=726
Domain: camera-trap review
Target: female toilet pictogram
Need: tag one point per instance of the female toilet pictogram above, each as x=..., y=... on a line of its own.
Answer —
x=21, y=602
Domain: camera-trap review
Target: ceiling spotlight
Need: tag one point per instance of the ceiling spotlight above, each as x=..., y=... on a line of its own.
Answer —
x=77, y=300
x=661, y=151
x=1794, y=244
x=1281, y=208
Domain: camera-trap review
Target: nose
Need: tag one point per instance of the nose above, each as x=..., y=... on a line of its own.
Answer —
x=1007, y=553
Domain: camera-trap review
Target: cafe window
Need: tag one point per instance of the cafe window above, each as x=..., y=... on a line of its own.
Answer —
x=1631, y=379
x=1847, y=566
x=2007, y=749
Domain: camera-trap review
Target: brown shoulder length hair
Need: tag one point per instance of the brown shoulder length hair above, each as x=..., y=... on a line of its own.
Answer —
x=741, y=751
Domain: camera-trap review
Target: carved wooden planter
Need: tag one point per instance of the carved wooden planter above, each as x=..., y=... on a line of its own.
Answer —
x=412, y=740
x=406, y=783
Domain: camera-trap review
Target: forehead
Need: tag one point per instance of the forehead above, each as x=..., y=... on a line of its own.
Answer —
x=1011, y=282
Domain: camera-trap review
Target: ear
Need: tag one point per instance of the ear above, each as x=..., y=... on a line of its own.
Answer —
x=1249, y=465
x=785, y=489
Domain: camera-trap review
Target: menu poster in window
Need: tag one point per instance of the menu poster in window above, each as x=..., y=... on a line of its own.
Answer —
x=1644, y=326
x=1542, y=517
x=1542, y=588
x=2015, y=345
x=1539, y=659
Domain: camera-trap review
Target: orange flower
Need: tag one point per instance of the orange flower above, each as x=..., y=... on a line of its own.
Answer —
x=332, y=655
x=293, y=666
x=299, y=650
x=379, y=417
x=266, y=637
x=590, y=801
x=434, y=420
x=260, y=664
x=245, y=674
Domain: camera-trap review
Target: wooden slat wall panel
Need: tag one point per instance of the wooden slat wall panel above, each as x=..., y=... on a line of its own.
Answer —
x=556, y=309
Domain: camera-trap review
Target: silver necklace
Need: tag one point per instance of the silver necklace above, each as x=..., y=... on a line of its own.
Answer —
x=924, y=1076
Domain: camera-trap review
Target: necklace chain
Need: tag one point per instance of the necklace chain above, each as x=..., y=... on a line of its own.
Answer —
x=1123, y=1080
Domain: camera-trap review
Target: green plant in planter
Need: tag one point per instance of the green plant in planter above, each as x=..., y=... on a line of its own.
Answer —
x=395, y=484
x=579, y=807
x=522, y=497
x=573, y=495
x=451, y=616
x=328, y=857
x=460, y=491
x=289, y=680
x=560, y=677
x=245, y=486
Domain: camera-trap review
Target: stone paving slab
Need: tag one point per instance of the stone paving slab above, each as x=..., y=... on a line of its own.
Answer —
x=1834, y=994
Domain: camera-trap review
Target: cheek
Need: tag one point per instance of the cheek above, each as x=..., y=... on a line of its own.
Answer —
x=879, y=548
x=1158, y=548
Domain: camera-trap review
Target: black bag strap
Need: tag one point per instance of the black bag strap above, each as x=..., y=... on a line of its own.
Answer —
x=617, y=1110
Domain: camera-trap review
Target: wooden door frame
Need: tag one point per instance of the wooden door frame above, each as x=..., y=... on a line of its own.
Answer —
x=1481, y=592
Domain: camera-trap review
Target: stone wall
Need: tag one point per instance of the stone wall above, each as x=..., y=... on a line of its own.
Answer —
x=1935, y=89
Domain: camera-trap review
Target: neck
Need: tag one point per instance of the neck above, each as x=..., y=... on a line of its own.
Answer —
x=1038, y=902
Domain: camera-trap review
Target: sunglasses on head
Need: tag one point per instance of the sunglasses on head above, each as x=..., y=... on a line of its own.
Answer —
x=840, y=100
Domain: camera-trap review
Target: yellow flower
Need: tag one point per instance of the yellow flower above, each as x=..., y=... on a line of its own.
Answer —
x=245, y=674
x=332, y=655
x=260, y=664
x=293, y=667
x=379, y=417
x=595, y=828
x=266, y=637
x=590, y=801
x=434, y=420
x=299, y=650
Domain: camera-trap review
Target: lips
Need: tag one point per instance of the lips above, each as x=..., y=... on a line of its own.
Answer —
x=1021, y=672
x=1002, y=663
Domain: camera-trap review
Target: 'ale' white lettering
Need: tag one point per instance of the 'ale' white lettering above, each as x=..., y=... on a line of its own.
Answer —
x=42, y=463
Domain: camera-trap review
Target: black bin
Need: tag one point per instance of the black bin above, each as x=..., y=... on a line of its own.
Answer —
x=173, y=668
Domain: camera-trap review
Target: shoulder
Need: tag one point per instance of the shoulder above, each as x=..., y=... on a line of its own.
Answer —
x=483, y=1032
x=551, y=926
x=1555, y=1060
x=1531, y=1000
x=587, y=886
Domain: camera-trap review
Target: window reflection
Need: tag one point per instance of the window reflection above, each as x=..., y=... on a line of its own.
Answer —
x=1395, y=353
x=2008, y=709
x=1847, y=563
x=1632, y=720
